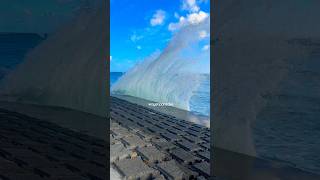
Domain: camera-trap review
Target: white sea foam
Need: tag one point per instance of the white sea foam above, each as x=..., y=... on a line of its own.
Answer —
x=168, y=76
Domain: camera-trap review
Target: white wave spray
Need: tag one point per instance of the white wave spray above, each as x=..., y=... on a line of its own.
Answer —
x=169, y=76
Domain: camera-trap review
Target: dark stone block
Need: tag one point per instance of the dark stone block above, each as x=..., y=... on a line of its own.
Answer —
x=183, y=156
x=205, y=155
x=189, y=146
x=170, y=136
x=203, y=168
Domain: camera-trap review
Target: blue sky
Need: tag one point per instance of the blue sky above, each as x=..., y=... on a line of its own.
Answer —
x=141, y=27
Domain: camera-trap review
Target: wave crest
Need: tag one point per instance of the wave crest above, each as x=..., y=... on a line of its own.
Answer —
x=168, y=76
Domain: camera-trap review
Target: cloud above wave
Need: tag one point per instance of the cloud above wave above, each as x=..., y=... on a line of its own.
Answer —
x=158, y=18
x=193, y=18
x=195, y=15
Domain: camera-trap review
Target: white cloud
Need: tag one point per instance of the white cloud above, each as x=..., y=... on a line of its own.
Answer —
x=174, y=26
x=206, y=47
x=193, y=18
x=190, y=5
x=203, y=34
x=158, y=18
x=134, y=37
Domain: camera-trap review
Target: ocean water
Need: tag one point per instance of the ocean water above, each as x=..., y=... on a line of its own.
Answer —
x=13, y=49
x=199, y=102
x=114, y=76
x=288, y=127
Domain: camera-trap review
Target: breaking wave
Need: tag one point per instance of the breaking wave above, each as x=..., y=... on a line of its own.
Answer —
x=170, y=76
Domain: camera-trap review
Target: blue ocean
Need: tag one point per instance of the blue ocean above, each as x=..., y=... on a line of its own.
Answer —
x=13, y=49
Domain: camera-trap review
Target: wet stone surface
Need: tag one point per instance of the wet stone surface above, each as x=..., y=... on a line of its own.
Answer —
x=161, y=146
x=152, y=154
x=135, y=169
x=35, y=149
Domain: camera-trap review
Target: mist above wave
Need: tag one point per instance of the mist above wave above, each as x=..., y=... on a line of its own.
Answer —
x=170, y=76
